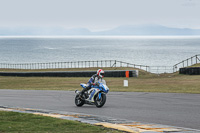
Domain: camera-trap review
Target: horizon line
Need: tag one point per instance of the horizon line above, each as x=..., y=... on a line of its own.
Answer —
x=100, y=36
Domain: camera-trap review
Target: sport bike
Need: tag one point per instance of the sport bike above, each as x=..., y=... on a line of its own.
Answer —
x=95, y=96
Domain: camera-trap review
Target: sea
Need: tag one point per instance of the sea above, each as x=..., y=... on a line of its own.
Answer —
x=140, y=50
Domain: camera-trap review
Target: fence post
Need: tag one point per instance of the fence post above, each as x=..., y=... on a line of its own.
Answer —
x=196, y=59
x=173, y=69
x=191, y=60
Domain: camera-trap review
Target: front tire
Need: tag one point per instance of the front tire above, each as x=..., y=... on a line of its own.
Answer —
x=100, y=102
x=79, y=102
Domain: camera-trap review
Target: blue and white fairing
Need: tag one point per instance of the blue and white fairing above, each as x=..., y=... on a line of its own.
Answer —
x=83, y=85
x=102, y=88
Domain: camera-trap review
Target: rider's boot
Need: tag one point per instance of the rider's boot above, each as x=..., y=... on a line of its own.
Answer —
x=82, y=92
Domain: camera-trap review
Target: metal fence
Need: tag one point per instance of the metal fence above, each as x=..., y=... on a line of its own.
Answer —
x=102, y=64
x=161, y=69
x=77, y=64
x=188, y=62
x=86, y=64
x=55, y=65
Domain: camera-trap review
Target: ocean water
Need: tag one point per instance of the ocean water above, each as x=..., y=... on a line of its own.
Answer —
x=151, y=51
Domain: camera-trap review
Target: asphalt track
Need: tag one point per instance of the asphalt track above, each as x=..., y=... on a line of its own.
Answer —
x=181, y=110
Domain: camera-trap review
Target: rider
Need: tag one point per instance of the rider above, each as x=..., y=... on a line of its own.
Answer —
x=93, y=81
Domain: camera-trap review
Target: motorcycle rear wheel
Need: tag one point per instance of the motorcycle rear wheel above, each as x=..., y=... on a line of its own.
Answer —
x=100, y=102
x=79, y=102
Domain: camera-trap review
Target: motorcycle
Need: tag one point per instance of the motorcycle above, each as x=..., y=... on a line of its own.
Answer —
x=95, y=96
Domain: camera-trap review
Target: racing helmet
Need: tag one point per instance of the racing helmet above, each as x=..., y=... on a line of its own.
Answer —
x=100, y=73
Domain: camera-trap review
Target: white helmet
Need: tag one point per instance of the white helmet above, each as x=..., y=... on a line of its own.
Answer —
x=100, y=73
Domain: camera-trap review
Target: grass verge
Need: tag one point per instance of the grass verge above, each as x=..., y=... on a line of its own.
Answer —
x=24, y=123
x=146, y=82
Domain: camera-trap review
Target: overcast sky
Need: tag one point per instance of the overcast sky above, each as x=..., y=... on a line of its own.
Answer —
x=99, y=14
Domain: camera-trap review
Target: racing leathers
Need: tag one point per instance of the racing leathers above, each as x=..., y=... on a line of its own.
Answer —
x=92, y=81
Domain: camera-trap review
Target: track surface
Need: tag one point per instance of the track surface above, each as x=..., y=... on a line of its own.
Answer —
x=182, y=110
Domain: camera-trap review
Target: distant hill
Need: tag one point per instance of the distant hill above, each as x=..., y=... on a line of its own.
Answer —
x=142, y=30
x=149, y=30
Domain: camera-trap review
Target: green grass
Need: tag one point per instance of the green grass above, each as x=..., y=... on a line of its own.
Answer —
x=27, y=123
x=146, y=82
x=195, y=65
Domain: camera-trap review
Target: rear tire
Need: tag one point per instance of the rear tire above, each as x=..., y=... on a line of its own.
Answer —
x=78, y=101
x=100, y=102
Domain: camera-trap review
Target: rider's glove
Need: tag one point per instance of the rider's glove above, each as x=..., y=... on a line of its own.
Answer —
x=93, y=84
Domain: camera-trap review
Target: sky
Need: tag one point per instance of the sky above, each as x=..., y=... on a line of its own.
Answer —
x=97, y=15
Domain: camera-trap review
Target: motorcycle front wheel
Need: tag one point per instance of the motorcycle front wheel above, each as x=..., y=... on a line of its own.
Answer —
x=100, y=102
x=79, y=102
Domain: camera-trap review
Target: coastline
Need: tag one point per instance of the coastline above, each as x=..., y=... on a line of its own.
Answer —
x=110, y=36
